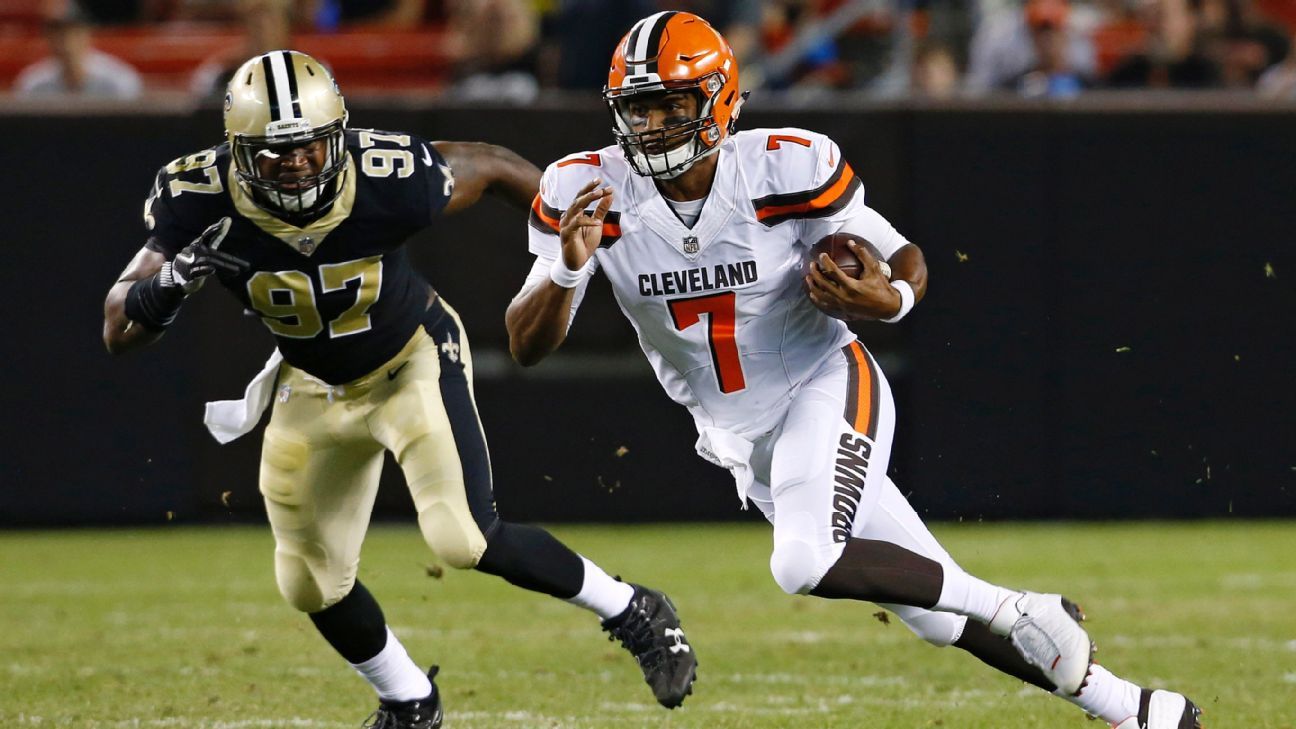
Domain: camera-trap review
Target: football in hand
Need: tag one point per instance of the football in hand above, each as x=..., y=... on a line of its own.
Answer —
x=835, y=246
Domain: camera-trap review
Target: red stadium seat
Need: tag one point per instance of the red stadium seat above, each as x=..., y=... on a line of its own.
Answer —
x=166, y=55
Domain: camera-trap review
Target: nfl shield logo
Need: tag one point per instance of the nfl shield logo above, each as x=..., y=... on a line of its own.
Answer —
x=306, y=245
x=691, y=244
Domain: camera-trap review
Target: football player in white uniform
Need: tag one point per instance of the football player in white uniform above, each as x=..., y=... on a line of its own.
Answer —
x=703, y=234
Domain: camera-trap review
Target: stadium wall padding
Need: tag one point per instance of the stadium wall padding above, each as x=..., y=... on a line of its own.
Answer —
x=1108, y=332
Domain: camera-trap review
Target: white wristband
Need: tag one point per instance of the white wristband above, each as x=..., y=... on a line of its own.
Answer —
x=906, y=300
x=567, y=278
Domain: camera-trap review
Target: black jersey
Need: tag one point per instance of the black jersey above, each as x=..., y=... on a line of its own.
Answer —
x=339, y=294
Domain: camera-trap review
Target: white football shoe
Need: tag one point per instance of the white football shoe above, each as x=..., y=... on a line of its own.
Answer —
x=1163, y=710
x=1045, y=630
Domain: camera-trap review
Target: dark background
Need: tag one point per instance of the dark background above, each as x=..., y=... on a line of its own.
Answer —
x=1100, y=339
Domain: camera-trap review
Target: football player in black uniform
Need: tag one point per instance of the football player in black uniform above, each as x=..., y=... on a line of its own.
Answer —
x=304, y=221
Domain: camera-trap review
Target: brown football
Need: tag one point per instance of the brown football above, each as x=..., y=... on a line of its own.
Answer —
x=835, y=246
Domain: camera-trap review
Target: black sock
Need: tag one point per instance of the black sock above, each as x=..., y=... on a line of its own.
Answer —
x=533, y=559
x=878, y=571
x=354, y=626
x=998, y=652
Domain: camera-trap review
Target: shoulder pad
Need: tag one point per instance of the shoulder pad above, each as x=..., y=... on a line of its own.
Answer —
x=795, y=173
x=564, y=178
x=367, y=138
x=189, y=193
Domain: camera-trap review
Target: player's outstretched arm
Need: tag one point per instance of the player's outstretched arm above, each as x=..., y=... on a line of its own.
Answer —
x=538, y=317
x=120, y=334
x=480, y=168
x=147, y=296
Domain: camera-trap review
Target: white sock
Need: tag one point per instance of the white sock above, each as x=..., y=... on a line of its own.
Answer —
x=393, y=674
x=1107, y=696
x=600, y=593
x=964, y=594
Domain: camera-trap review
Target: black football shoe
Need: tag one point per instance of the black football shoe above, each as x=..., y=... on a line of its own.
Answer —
x=422, y=713
x=650, y=629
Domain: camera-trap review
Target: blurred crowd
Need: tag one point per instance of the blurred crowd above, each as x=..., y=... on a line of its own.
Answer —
x=509, y=50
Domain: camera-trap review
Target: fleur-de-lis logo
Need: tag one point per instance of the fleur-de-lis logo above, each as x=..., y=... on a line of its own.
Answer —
x=450, y=350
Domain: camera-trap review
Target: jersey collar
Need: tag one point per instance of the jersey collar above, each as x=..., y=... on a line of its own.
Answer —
x=304, y=240
x=716, y=212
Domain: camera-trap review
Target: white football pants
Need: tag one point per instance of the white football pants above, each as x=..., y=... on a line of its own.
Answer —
x=820, y=478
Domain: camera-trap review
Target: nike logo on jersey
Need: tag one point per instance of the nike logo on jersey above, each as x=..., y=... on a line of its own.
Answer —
x=427, y=156
x=391, y=373
x=706, y=278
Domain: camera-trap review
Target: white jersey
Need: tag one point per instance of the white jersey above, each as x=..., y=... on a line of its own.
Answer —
x=720, y=308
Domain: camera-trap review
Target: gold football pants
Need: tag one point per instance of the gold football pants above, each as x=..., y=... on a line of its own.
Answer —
x=323, y=453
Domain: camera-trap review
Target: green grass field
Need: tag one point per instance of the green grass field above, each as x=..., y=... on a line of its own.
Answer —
x=183, y=627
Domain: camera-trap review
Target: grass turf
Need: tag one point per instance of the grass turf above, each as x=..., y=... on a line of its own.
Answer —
x=183, y=627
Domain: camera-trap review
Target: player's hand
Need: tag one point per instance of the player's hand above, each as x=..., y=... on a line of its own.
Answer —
x=581, y=232
x=203, y=257
x=870, y=296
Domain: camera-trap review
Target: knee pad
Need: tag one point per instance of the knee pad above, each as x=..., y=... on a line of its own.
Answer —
x=297, y=583
x=939, y=629
x=795, y=565
x=452, y=535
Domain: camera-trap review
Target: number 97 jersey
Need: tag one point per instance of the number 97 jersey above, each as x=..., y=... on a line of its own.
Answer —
x=720, y=307
x=337, y=291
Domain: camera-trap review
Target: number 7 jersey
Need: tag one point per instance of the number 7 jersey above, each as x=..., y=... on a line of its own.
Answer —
x=339, y=294
x=720, y=308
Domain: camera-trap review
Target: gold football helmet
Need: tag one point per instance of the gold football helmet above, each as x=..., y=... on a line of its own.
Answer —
x=277, y=102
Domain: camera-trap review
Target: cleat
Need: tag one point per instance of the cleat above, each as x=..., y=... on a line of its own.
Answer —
x=1045, y=630
x=1163, y=710
x=422, y=713
x=650, y=629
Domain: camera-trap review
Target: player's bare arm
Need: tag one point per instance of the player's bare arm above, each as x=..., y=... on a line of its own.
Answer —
x=119, y=333
x=480, y=168
x=871, y=296
x=537, y=319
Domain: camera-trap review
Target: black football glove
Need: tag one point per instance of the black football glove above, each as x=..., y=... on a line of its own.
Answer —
x=200, y=259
